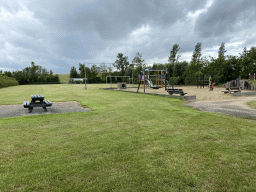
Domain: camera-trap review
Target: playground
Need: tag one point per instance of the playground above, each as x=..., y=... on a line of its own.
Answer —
x=200, y=93
x=159, y=82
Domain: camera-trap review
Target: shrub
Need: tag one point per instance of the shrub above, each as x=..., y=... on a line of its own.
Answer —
x=176, y=80
x=7, y=81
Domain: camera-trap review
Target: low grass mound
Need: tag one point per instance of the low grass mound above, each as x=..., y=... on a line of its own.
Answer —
x=64, y=78
x=7, y=81
x=128, y=142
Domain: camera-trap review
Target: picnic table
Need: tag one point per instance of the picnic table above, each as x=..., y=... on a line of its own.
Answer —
x=232, y=89
x=37, y=101
x=175, y=91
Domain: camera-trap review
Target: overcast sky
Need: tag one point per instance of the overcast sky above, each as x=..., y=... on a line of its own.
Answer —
x=59, y=34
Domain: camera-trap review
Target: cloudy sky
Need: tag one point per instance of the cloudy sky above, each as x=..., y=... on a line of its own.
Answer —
x=58, y=34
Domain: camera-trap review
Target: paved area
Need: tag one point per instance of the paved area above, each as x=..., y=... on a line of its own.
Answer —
x=237, y=107
x=57, y=107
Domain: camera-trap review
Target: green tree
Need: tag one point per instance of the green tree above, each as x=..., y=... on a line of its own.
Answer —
x=88, y=73
x=170, y=68
x=173, y=54
x=82, y=70
x=73, y=73
x=252, y=55
x=103, y=71
x=33, y=72
x=232, y=68
x=94, y=74
x=121, y=63
x=221, y=52
x=219, y=65
x=197, y=54
x=196, y=66
x=138, y=61
x=247, y=63
x=8, y=74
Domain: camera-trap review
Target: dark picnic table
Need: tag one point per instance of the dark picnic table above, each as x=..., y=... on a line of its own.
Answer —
x=37, y=101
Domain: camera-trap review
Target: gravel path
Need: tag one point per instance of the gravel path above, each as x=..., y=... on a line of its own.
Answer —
x=57, y=107
x=237, y=107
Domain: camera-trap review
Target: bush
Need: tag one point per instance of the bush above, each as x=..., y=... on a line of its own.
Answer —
x=7, y=81
x=176, y=80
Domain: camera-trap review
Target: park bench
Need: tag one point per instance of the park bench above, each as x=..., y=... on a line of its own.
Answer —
x=176, y=91
x=37, y=101
x=232, y=89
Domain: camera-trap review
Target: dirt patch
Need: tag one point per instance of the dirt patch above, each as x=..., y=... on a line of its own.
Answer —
x=57, y=107
x=235, y=107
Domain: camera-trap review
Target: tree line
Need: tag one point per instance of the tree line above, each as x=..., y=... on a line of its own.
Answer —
x=98, y=74
x=33, y=75
x=222, y=69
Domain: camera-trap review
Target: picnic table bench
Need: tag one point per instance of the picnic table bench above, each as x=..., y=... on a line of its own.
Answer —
x=37, y=101
x=232, y=89
x=175, y=91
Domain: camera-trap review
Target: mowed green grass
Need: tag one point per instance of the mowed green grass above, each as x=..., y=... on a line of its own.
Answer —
x=252, y=104
x=128, y=142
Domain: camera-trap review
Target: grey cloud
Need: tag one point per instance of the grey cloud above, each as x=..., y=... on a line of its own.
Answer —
x=113, y=19
x=96, y=30
x=222, y=16
x=71, y=46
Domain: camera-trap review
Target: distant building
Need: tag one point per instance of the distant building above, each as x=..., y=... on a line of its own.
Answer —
x=77, y=80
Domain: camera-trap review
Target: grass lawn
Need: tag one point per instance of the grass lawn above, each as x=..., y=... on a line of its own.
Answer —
x=64, y=78
x=128, y=142
x=252, y=104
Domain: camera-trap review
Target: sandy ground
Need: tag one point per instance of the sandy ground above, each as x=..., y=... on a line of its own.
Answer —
x=202, y=94
x=212, y=101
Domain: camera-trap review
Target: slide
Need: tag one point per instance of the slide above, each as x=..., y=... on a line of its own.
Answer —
x=151, y=84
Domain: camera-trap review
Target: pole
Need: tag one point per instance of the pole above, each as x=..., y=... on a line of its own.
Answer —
x=110, y=75
x=132, y=77
x=144, y=79
x=85, y=79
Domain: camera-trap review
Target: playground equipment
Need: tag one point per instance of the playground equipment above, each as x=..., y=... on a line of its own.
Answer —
x=160, y=79
x=203, y=80
x=161, y=75
x=239, y=83
x=116, y=77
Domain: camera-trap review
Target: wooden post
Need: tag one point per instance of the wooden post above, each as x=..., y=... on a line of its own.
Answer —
x=144, y=79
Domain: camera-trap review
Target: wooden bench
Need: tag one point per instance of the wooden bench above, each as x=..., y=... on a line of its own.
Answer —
x=37, y=101
x=48, y=103
x=232, y=89
x=26, y=104
x=176, y=91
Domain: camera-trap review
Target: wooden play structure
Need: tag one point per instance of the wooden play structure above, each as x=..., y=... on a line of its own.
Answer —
x=239, y=83
x=159, y=79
